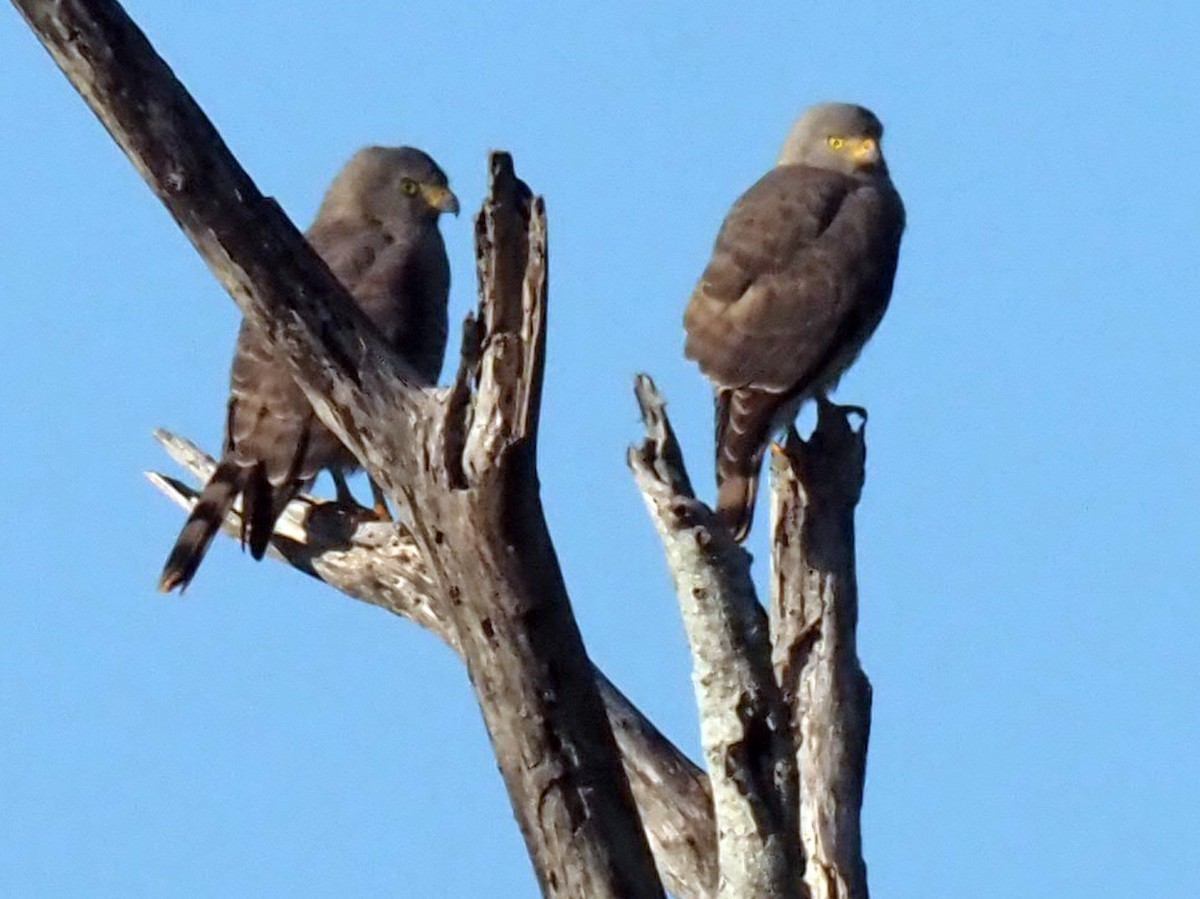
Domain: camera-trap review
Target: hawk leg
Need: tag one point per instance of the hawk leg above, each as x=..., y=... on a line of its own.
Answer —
x=346, y=499
x=381, y=507
x=343, y=495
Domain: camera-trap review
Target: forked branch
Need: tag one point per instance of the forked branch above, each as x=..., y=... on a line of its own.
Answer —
x=743, y=723
x=381, y=564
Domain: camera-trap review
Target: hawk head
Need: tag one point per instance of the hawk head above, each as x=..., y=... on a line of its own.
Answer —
x=389, y=184
x=840, y=137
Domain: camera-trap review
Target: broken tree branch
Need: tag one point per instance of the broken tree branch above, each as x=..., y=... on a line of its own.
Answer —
x=814, y=614
x=743, y=725
x=380, y=563
x=487, y=544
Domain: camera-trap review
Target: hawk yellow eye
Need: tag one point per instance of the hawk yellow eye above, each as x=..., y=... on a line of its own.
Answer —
x=409, y=186
x=836, y=142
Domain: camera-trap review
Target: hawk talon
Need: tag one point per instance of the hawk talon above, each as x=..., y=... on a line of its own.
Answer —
x=380, y=506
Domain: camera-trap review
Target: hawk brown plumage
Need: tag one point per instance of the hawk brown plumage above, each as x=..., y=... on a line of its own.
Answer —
x=377, y=231
x=799, y=278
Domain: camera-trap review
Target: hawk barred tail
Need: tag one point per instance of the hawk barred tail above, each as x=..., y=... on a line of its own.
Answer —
x=735, y=501
x=210, y=510
x=377, y=231
x=800, y=275
x=743, y=427
x=260, y=509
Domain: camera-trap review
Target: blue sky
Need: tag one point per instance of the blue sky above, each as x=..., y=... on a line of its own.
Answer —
x=1027, y=539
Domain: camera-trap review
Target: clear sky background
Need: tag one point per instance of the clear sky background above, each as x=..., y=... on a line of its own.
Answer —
x=1028, y=537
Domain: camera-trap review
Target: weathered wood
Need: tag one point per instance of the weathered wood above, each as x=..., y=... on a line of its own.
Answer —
x=814, y=613
x=381, y=564
x=672, y=796
x=486, y=544
x=744, y=728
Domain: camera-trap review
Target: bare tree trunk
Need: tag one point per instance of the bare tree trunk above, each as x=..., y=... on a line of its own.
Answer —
x=743, y=725
x=823, y=693
x=814, y=614
x=381, y=564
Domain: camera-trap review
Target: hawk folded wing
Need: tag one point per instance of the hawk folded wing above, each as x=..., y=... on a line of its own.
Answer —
x=800, y=276
x=377, y=232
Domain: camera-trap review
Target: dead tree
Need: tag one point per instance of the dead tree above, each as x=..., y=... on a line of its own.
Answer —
x=607, y=805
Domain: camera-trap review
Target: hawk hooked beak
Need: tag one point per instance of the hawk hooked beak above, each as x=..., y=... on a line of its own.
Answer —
x=440, y=198
x=865, y=151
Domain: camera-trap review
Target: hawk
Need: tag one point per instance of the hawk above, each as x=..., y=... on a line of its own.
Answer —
x=799, y=278
x=377, y=231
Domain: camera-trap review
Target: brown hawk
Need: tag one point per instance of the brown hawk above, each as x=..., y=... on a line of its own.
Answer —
x=799, y=278
x=377, y=231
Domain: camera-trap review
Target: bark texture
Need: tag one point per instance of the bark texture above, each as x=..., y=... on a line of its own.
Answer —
x=814, y=614
x=743, y=722
x=478, y=518
x=381, y=564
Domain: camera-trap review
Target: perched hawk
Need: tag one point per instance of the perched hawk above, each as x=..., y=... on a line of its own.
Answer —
x=377, y=231
x=799, y=278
